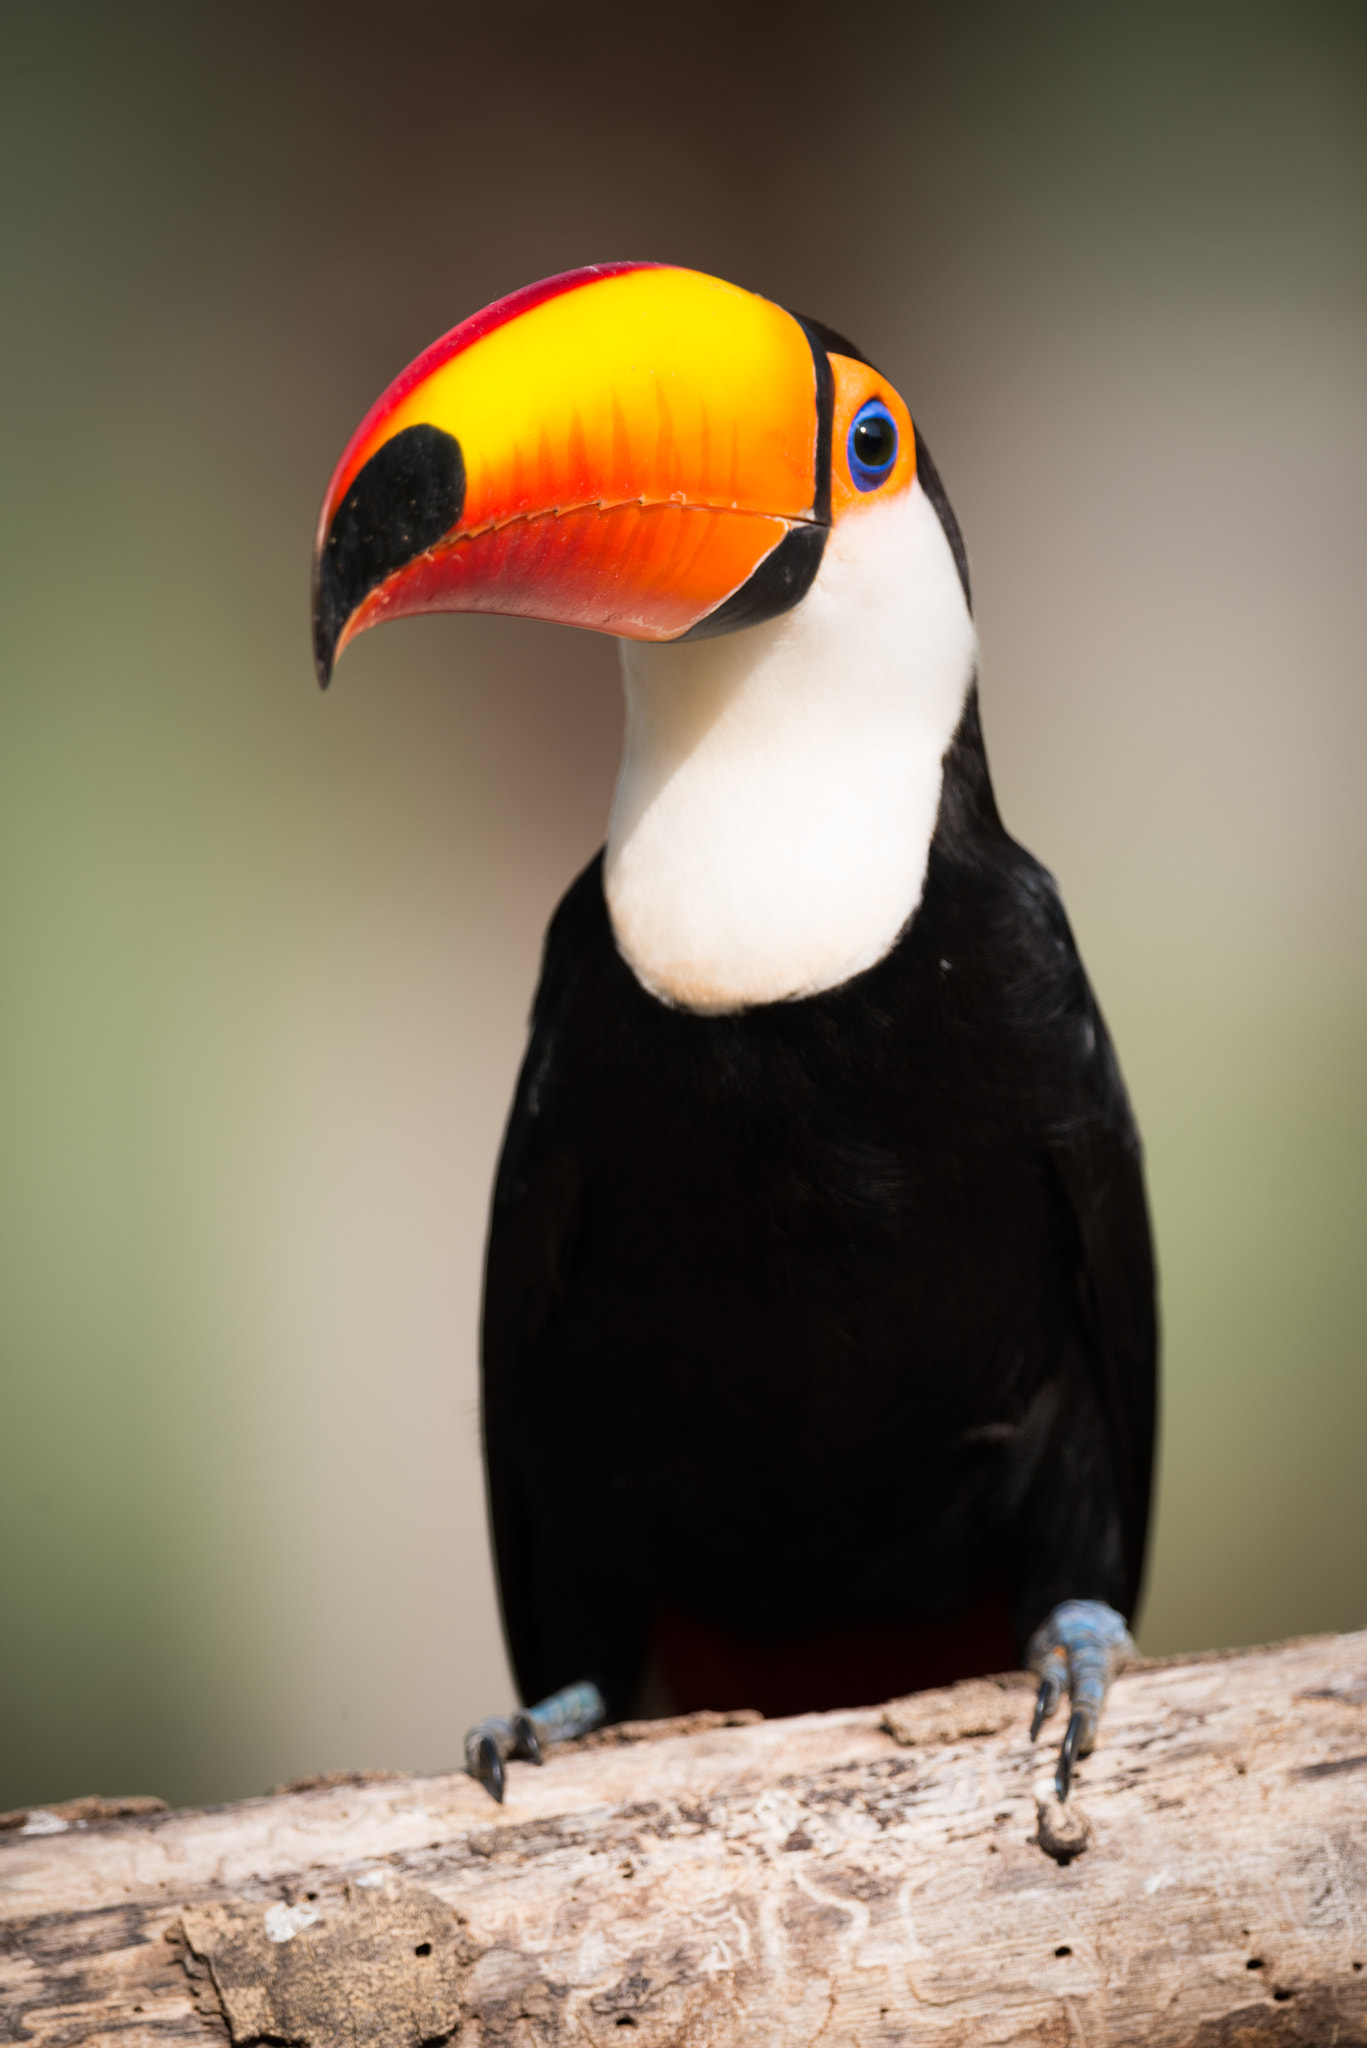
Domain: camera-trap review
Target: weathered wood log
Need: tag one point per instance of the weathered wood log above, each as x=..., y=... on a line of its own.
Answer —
x=885, y=1876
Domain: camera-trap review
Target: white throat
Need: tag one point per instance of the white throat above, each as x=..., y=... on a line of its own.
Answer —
x=780, y=785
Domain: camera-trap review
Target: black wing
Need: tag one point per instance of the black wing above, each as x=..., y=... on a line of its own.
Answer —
x=1078, y=1109
x=1094, y=1149
x=532, y=1228
x=1099, y=1162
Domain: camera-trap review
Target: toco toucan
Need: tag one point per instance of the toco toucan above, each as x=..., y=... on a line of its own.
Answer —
x=819, y=1347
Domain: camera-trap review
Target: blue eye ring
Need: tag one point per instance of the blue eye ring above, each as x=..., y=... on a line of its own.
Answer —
x=872, y=445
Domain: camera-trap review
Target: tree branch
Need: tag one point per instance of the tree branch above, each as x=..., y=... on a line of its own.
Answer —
x=771, y=1884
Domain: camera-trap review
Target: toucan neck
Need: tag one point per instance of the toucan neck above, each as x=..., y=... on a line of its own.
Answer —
x=779, y=786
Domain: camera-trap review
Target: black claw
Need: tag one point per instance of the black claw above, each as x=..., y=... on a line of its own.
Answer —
x=489, y=1768
x=1042, y=1706
x=527, y=1743
x=1042, y=1709
x=1063, y=1777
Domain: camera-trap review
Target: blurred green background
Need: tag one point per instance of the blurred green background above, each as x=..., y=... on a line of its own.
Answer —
x=267, y=955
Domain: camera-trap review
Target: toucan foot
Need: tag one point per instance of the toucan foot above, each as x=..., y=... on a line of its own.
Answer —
x=530, y=1733
x=1078, y=1648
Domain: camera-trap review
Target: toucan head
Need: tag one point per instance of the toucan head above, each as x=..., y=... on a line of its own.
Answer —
x=632, y=447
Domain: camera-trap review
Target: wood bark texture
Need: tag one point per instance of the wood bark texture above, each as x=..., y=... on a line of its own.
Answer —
x=896, y=1875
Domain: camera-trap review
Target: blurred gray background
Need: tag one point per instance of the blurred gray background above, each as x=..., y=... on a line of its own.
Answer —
x=267, y=955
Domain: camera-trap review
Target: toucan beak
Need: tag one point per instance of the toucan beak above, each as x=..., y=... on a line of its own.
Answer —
x=633, y=448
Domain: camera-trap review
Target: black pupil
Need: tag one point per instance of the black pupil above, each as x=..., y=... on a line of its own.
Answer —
x=875, y=442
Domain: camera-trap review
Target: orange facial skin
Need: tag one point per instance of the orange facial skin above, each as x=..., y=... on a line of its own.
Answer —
x=620, y=448
x=855, y=384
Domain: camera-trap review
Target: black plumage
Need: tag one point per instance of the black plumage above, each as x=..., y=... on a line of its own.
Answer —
x=831, y=1316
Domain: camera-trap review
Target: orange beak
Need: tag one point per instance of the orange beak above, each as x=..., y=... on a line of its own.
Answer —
x=633, y=448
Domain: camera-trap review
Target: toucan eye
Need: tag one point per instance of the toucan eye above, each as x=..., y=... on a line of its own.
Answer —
x=872, y=445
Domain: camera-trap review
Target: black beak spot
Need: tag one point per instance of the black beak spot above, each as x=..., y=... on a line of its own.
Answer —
x=409, y=494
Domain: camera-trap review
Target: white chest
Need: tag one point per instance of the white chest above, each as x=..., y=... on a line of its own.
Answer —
x=779, y=786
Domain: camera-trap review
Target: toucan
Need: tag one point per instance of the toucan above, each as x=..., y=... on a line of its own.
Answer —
x=819, y=1353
